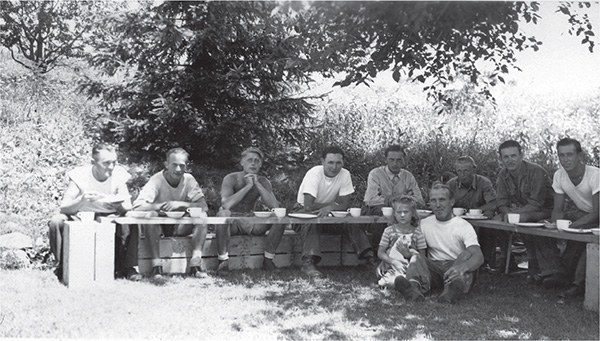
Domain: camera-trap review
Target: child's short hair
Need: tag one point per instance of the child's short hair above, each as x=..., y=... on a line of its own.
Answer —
x=408, y=200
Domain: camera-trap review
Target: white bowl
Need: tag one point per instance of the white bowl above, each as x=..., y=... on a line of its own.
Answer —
x=595, y=231
x=175, y=214
x=263, y=214
x=339, y=214
x=138, y=214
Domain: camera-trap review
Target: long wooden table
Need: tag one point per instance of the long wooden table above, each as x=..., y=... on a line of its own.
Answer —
x=254, y=220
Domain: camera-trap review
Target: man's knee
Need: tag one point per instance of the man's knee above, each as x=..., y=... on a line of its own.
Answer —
x=57, y=222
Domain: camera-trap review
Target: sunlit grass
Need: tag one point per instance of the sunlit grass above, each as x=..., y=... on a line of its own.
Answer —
x=257, y=305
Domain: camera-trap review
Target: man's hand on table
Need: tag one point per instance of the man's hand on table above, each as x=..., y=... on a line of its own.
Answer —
x=173, y=205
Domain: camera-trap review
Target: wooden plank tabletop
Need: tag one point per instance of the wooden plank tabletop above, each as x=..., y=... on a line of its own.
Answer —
x=538, y=231
x=254, y=220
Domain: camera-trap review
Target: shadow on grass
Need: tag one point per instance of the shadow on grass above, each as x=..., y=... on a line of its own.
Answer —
x=347, y=304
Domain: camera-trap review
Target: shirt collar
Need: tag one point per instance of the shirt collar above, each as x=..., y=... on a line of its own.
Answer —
x=389, y=173
x=473, y=183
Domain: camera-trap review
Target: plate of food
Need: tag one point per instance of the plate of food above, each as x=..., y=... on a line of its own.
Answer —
x=113, y=199
x=339, y=214
x=581, y=231
x=530, y=224
x=303, y=215
x=262, y=214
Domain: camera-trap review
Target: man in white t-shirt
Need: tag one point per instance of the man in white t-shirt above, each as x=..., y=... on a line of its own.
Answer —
x=99, y=187
x=581, y=183
x=327, y=188
x=172, y=189
x=453, y=253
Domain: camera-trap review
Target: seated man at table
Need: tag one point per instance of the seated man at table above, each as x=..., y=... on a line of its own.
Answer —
x=99, y=187
x=581, y=183
x=327, y=188
x=453, y=253
x=172, y=189
x=387, y=182
x=240, y=192
x=525, y=188
x=474, y=191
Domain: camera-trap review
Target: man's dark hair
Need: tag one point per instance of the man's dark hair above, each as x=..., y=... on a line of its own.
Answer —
x=568, y=141
x=395, y=148
x=103, y=146
x=510, y=144
x=466, y=159
x=332, y=150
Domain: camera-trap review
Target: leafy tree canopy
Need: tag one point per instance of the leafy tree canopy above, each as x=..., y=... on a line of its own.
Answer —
x=40, y=33
x=211, y=77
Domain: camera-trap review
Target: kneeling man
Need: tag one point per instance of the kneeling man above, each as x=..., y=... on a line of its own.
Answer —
x=454, y=253
x=240, y=192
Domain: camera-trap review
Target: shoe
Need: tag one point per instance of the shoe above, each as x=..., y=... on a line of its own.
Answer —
x=572, y=292
x=223, y=269
x=197, y=272
x=554, y=281
x=372, y=262
x=408, y=289
x=388, y=279
x=58, y=272
x=309, y=268
x=452, y=292
x=534, y=279
x=133, y=275
x=157, y=272
x=269, y=265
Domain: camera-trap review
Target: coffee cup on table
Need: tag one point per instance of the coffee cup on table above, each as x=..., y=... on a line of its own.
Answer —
x=562, y=224
x=458, y=211
x=513, y=218
x=355, y=212
x=86, y=216
x=195, y=212
x=475, y=212
x=279, y=212
x=387, y=211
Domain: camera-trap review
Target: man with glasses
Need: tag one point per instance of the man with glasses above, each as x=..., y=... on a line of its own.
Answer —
x=172, y=189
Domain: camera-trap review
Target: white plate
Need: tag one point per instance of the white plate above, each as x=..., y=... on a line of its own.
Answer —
x=303, y=215
x=339, y=214
x=530, y=224
x=112, y=199
x=474, y=217
x=570, y=230
x=263, y=214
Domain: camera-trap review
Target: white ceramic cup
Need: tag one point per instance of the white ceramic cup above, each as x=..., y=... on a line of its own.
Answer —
x=563, y=224
x=195, y=212
x=387, y=211
x=458, y=211
x=355, y=212
x=86, y=216
x=513, y=218
x=475, y=212
x=279, y=212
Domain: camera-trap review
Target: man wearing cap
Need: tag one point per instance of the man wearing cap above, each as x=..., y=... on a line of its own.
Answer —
x=240, y=193
x=474, y=191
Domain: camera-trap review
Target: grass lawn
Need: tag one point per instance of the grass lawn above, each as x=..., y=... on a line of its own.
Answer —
x=254, y=304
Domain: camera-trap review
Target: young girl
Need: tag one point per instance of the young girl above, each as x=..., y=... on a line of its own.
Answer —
x=399, y=242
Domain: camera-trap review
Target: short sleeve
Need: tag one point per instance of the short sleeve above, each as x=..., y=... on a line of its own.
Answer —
x=147, y=194
x=419, y=239
x=556, y=182
x=347, y=188
x=311, y=182
x=468, y=235
x=195, y=192
x=385, y=238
